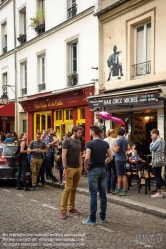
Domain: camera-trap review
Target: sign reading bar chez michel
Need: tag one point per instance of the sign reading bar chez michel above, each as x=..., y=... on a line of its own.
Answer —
x=124, y=100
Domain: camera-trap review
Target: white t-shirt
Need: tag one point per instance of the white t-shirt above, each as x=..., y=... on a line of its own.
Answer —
x=111, y=142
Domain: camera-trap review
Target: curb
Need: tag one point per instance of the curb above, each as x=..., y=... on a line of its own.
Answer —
x=124, y=202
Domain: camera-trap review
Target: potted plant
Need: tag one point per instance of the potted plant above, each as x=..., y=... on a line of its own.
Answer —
x=38, y=21
x=22, y=38
x=73, y=79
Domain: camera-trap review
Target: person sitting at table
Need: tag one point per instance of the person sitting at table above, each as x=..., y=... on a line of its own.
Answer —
x=131, y=147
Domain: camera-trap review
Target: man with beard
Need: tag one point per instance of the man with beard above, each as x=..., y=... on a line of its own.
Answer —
x=50, y=143
x=72, y=164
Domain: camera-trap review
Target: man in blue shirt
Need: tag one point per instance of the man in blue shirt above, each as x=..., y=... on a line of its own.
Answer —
x=94, y=164
x=120, y=161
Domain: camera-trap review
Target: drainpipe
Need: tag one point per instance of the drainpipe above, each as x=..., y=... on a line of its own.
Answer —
x=15, y=66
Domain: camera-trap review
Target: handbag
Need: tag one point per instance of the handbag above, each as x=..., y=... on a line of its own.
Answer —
x=16, y=155
x=57, y=158
x=159, y=159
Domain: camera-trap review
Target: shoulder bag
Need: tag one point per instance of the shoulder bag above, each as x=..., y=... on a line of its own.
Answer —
x=159, y=159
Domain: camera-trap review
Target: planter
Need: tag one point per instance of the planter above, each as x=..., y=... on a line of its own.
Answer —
x=22, y=38
x=73, y=79
x=41, y=28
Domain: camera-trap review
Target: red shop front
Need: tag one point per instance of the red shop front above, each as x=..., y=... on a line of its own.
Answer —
x=7, y=113
x=60, y=111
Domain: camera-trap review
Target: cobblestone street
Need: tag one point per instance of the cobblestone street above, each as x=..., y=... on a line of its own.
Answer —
x=31, y=220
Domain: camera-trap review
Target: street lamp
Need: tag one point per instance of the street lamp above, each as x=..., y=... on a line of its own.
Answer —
x=4, y=97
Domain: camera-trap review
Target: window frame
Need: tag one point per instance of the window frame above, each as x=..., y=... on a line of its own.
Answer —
x=144, y=41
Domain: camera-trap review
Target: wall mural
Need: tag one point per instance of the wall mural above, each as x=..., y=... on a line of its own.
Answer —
x=114, y=65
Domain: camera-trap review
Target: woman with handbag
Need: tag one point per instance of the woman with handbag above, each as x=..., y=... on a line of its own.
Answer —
x=157, y=148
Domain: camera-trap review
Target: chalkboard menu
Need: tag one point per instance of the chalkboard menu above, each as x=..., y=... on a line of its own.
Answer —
x=124, y=100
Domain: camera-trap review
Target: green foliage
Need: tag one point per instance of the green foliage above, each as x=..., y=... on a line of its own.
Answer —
x=38, y=19
x=71, y=76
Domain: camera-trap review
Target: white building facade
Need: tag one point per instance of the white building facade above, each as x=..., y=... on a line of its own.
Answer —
x=48, y=49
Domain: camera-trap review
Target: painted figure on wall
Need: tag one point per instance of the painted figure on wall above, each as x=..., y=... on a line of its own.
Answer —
x=114, y=64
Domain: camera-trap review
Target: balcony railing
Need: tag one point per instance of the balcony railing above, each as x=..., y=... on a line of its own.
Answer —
x=72, y=11
x=5, y=50
x=24, y=91
x=142, y=68
x=42, y=87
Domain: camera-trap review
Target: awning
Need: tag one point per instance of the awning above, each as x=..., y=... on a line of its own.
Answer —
x=7, y=110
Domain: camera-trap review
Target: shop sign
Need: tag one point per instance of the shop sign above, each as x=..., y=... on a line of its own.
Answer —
x=45, y=105
x=125, y=100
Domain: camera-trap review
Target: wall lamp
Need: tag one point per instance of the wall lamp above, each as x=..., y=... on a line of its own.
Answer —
x=4, y=97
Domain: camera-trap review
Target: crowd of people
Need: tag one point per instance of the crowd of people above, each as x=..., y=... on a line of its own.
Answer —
x=9, y=137
x=105, y=162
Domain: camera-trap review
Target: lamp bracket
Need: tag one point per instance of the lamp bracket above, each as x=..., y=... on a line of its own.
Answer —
x=4, y=88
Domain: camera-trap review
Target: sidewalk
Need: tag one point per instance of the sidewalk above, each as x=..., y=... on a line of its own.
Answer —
x=135, y=200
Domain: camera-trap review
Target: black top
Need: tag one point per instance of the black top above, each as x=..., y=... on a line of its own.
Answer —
x=23, y=156
x=98, y=152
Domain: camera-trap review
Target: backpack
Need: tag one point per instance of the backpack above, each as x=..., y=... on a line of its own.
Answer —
x=17, y=154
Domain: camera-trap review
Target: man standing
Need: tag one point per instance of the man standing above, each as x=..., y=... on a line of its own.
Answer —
x=120, y=161
x=44, y=163
x=50, y=142
x=72, y=164
x=96, y=151
x=36, y=148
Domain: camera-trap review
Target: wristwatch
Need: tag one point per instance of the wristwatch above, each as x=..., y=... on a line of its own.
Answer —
x=64, y=167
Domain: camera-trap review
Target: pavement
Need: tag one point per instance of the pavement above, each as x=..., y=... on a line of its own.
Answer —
x=138, y=201
x=30, y=219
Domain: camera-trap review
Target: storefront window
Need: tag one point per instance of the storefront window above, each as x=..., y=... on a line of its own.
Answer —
x=43, y=122
x=38, y=123
x=82, y=113
x=49, y=120
x=69, y=114
x=58, y=115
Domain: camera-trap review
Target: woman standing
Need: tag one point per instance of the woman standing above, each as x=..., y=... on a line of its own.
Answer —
x=111, y=170
x=22, y=162
x=157, y=145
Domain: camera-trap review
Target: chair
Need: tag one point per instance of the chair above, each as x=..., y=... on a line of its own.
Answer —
x=145, y=177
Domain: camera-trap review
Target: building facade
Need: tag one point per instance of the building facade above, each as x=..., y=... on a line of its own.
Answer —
x=48, y=50
x=132, y=65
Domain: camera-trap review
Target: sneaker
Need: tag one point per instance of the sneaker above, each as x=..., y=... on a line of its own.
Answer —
x=63, y=215
x=44, y=185
x=55, y=181
x=102, y=220
x=124, y=193
x=163, y=193
x=37, y=187
x=19, y=188
x=33, y=188
x=117, y=191
x=88, y=222
x=74, y=211
x=27, y=189
x=157, y=195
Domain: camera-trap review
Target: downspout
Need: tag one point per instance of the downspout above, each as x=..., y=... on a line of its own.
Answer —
x=15, y=66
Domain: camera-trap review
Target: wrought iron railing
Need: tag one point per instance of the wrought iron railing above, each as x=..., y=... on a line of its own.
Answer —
x=42, y=87
x=5, y=50
x=72, y=11
x=142, y=68
x=24, y=91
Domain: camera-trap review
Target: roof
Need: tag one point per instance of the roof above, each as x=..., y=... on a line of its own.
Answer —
x=110, y=7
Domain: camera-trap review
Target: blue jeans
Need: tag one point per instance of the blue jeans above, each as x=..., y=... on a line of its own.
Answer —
x=96, y=182
x=158, y=179
x=22, y=170
x=111, y=175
